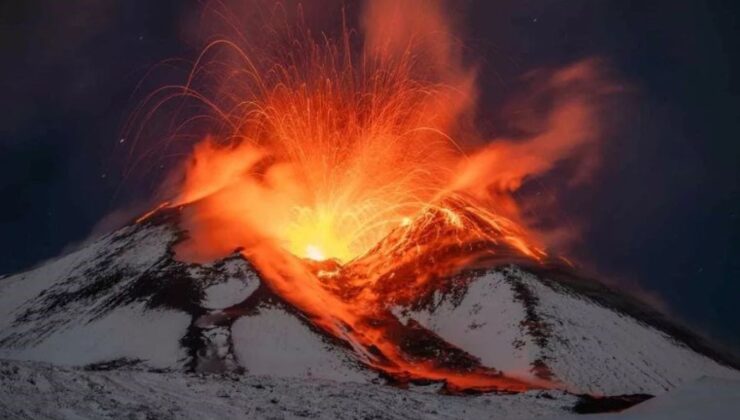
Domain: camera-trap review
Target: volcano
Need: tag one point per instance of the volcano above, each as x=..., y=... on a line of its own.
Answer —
x=126, y=303
x=342, y=229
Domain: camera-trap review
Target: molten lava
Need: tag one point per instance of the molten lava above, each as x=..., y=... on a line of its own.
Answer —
x=339, y=173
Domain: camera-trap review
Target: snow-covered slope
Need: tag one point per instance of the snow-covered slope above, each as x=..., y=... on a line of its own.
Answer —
x=276, y=343
x=86, y=307
x=511, y=318
x=126, y=300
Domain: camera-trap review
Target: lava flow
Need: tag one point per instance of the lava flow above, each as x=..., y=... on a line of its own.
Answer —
x=339, y=172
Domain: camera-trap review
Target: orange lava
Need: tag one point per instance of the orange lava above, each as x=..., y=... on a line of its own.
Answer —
x=326, y=153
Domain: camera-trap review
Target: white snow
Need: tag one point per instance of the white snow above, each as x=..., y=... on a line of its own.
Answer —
x=16, y=290
x=486, y=324
x=233, y=290
x=41, y=391
x=591, y=349
x=74, y=335
x=598, y=350
x=276, y=343
x=129, y=332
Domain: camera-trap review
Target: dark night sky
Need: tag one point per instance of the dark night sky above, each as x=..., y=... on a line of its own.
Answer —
x=663, y=213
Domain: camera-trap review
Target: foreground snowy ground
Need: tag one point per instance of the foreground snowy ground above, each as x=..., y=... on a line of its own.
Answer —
x=31, y=390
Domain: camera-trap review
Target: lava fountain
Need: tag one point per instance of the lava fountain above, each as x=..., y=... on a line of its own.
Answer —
x=334, y=163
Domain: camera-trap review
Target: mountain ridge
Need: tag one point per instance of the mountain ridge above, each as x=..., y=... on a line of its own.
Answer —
x=126, y=297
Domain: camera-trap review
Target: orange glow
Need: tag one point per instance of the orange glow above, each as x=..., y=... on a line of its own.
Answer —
x=324, y=155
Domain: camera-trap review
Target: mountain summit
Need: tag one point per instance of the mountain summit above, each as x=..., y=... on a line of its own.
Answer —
x=126, y=302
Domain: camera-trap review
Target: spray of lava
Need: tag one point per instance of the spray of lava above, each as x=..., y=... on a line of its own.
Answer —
x=335, y=163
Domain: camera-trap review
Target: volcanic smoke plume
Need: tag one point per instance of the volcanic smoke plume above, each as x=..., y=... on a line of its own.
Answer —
x=342, y=166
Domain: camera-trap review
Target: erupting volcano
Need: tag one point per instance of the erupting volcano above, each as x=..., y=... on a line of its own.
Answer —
x=346, y=174
x=336, y=187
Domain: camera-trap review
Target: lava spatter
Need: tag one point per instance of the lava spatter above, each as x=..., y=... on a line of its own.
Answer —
x=341, y=166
